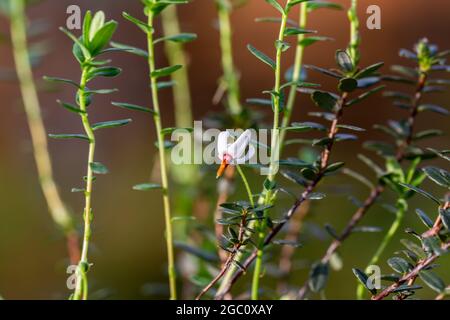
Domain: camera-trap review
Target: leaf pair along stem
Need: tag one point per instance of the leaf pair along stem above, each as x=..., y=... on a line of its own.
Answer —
x=58, y=209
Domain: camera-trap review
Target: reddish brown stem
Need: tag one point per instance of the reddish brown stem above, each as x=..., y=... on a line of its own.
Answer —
x=410, y=276
x=379, y=189
x=225, y=186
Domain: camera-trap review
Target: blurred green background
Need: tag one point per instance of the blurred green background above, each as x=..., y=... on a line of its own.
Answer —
x=128, y=245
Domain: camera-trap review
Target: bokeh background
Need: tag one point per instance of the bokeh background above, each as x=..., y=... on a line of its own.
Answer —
x=129, y=251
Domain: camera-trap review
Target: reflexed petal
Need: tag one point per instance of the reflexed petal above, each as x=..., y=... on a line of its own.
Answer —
x=222, y=143
x=237, y=149
x=251, y=152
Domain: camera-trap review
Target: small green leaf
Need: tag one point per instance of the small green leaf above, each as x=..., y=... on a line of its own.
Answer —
x=348, y=85
x=349, y=127
x=69, y=136
x=130, y=49
x=142, y=25
x=133, y=107
x=282, y=45
x=167, y=131
x=439, y=176
x=178, y=38
x=334, y=167
x=315, y=5
x=369, y=71
x=425, y=218
x=432, y=280
x=62, y=80
x=70, y=107
x=344, y=61
x=102, y=37
x=80, y=46
x=407, y=288
x=433, y=108
x=421, y=192
x=276, y=5
x=399, y=265
x=318, y=277
x=308, y=174
x=163, y=72
x=445, y=217
x=322, y=142
x=305, y=126
x=296, y=31
x=306, y=42
x=94, y=25
x=316, y=196
x=345, y=137
x=104, y=72
x=146, y=186
x=324, y=100
x=110, y=124
x=260, y=102
x=261, y=56
x=364, y=96
x=98, y=168
x=363, y=278
x=269, y=185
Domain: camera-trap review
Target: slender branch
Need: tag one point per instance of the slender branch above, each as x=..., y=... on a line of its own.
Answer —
x=228, y=263
x=225, y=186
x=377, y=191
x=296, y=74
x=83, y=265
x=58, y=210
x=410, y=276
x=162, y=160
x=275, y=142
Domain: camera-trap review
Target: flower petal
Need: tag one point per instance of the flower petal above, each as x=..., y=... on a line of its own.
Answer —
x=237, y=149
x=222, y=144
x=251, y=152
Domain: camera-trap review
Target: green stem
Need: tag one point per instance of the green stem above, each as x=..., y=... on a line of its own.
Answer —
x=299, y=53
x=246, y=184
x=355, y=39
x=229, y=72
x=402, y=207
x=58, y=210
x=163, y=165
x=83, y=266
x=266, y=197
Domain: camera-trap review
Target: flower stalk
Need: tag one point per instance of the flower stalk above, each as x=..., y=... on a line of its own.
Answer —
x=162, y=159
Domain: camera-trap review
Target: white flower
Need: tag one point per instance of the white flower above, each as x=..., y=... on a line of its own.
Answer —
x=233, y=152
